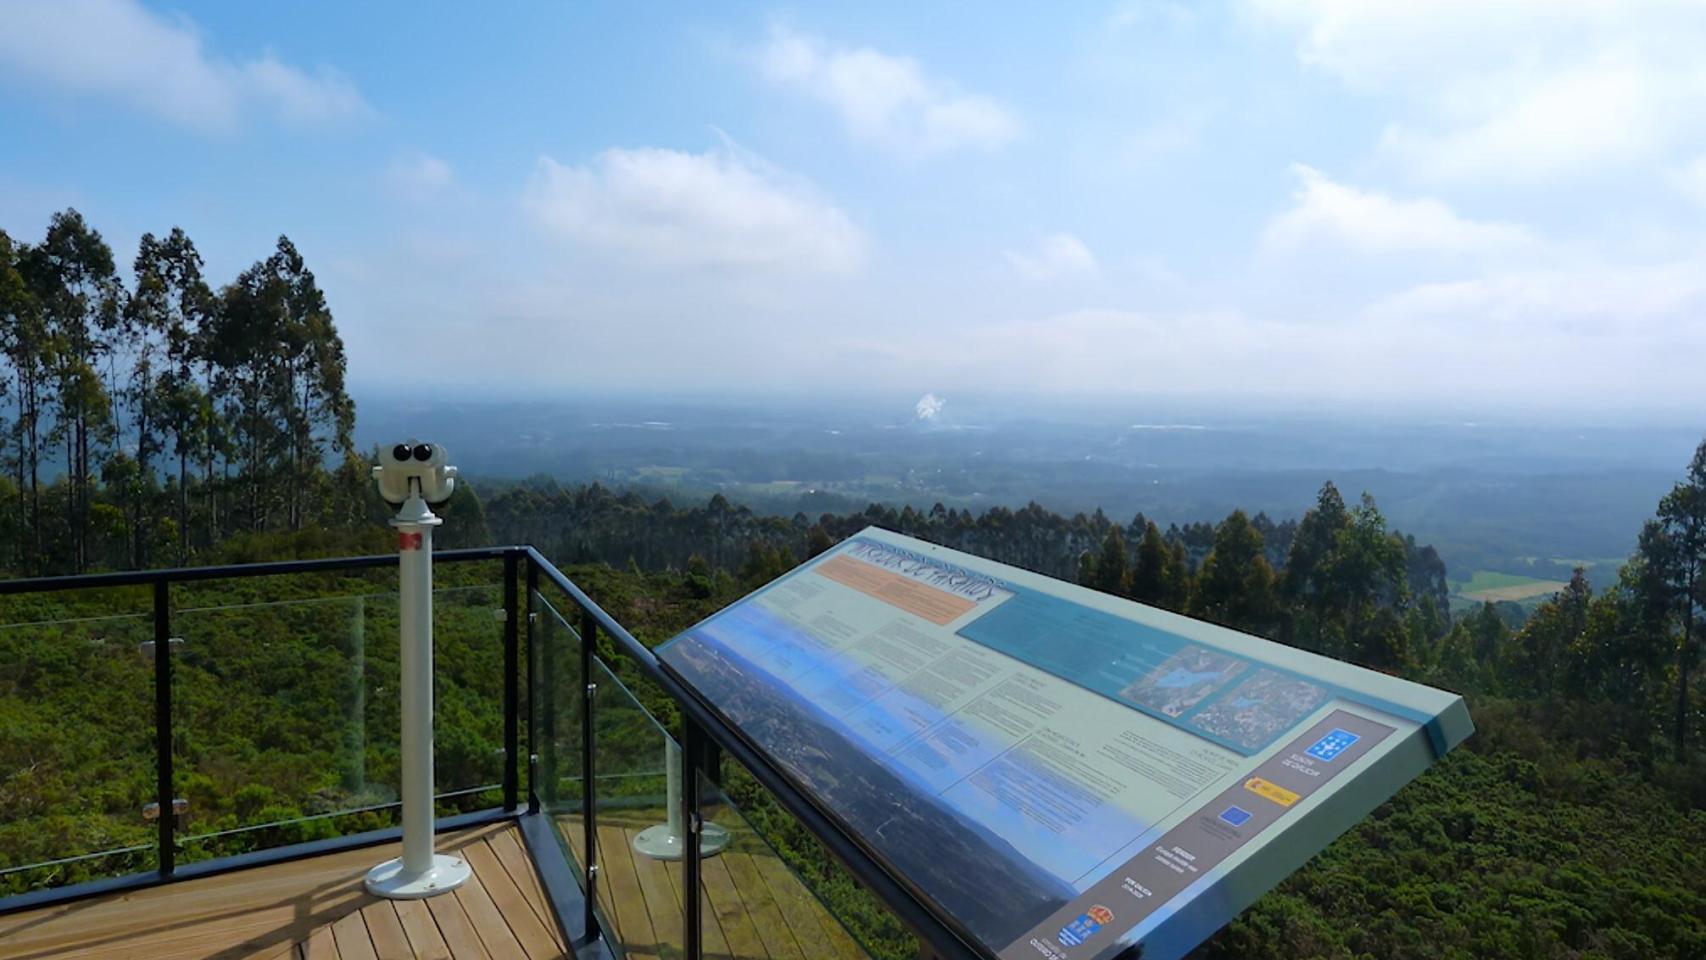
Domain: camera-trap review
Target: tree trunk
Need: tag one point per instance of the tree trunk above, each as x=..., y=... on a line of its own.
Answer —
x=82, y=546
x=71, y=497
x=35, y=475
x=1684, y=660
x=139, y=517
x=25, y=559
x=183, y=502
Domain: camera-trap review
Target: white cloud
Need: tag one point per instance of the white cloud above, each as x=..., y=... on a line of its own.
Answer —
x=1609, y=302
x=1609, y=334
x=1516, y=90
x=723, y=208
x=1056, y=256
x=1540, y=339
x=420, y=176
x=885, y=99
x=1374, y=223
x=120, y=50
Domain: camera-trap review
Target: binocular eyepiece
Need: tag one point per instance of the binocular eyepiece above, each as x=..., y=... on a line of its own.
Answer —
x=409, y=464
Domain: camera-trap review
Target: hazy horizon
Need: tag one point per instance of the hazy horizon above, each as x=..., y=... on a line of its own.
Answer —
x=1284, y=203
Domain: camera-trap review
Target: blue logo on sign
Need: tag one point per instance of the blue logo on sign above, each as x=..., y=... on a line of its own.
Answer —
x=1085, y=926
x=1237, y=816
x=1330, y=746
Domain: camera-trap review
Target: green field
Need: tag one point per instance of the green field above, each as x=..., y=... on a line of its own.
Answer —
x=1491, y=586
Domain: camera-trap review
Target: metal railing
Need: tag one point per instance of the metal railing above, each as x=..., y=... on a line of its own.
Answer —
x=531, y=706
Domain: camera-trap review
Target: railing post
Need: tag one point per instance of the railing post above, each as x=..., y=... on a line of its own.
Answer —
x=167, y=855
x=512, y=679
x=589, y=767
x=692, y=756
x=535, y=689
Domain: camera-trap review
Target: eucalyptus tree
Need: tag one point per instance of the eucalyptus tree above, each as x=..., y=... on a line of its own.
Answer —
x=1235, y=587
x=316, y=412
x=1677, y=549
x=81, y=299
x=243, y=354
x=171, y=306
x=22, y=339
x=162, y=324
x=279, y=369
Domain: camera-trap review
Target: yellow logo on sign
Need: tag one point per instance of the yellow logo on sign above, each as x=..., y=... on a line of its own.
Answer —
x=1271, y=791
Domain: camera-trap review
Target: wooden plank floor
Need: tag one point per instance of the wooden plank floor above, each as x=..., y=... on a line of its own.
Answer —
x=312, y=909
x=754, y=907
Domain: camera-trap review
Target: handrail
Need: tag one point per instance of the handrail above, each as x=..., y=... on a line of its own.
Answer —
x=133, y=578
x=702, y=728
x=948, y=940
x=633, y=648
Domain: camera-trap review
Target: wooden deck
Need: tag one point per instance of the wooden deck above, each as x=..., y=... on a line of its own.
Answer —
x=754, y=907
x=312, y=909
x=316, y=909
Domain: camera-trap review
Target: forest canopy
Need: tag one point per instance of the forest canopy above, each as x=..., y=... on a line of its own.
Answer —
x=148, y=421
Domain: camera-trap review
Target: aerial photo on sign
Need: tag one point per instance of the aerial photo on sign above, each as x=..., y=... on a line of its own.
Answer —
x=1060, y=772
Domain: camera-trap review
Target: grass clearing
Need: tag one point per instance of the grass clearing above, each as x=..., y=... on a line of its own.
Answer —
x=1489, y=586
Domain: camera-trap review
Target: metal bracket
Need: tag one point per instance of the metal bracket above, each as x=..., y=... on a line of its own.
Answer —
x=180, y=806
x=146, y=647
x=591, y=691
x=695, y=823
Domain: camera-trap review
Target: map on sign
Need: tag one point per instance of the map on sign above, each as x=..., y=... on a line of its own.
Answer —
x=1058, y=772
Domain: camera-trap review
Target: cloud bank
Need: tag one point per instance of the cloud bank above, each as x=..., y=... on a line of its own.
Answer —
x=118, y=50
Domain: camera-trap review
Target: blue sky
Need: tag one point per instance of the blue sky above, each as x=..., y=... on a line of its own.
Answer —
x=1492, y=203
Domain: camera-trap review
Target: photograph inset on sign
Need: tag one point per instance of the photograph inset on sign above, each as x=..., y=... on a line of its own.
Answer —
x=1259, y=708
x=1183, y=680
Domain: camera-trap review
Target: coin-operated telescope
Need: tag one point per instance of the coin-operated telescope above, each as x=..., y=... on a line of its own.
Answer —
x=411, y=468
x=414, y=477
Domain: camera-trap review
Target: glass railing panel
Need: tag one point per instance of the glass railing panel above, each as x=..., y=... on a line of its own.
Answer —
x=468, y=696
x=556, y=700
x=286, y=716
x=775, y=890
x=639, y=878
x=468, y=684
x=272, y=711
x=77, y=777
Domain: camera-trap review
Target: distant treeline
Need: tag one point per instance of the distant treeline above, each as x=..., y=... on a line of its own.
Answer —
x=1337, y=581
x=1227, y=572
x=146, y=422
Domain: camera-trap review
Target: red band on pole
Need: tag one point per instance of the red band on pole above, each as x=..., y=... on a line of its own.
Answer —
x=408, y=541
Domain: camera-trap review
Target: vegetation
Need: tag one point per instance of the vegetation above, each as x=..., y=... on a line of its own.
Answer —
x=1566, y=828
x=169, y=423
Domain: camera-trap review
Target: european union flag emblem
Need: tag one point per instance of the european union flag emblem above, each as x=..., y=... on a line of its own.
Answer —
x=1330, y=746
x=1235, y=815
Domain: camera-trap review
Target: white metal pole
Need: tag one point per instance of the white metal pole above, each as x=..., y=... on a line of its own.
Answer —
x=418, y=873
x=414, y=584
x=668, y=840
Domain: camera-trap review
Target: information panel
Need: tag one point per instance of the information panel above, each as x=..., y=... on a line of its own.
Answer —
x=1061, y=772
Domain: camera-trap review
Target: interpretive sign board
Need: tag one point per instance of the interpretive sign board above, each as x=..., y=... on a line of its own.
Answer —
x=1057, y=772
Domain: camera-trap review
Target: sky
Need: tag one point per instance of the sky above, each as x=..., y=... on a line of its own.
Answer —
x=1481, y=203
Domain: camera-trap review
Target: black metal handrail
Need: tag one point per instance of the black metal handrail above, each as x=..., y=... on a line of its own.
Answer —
x=573, y=893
